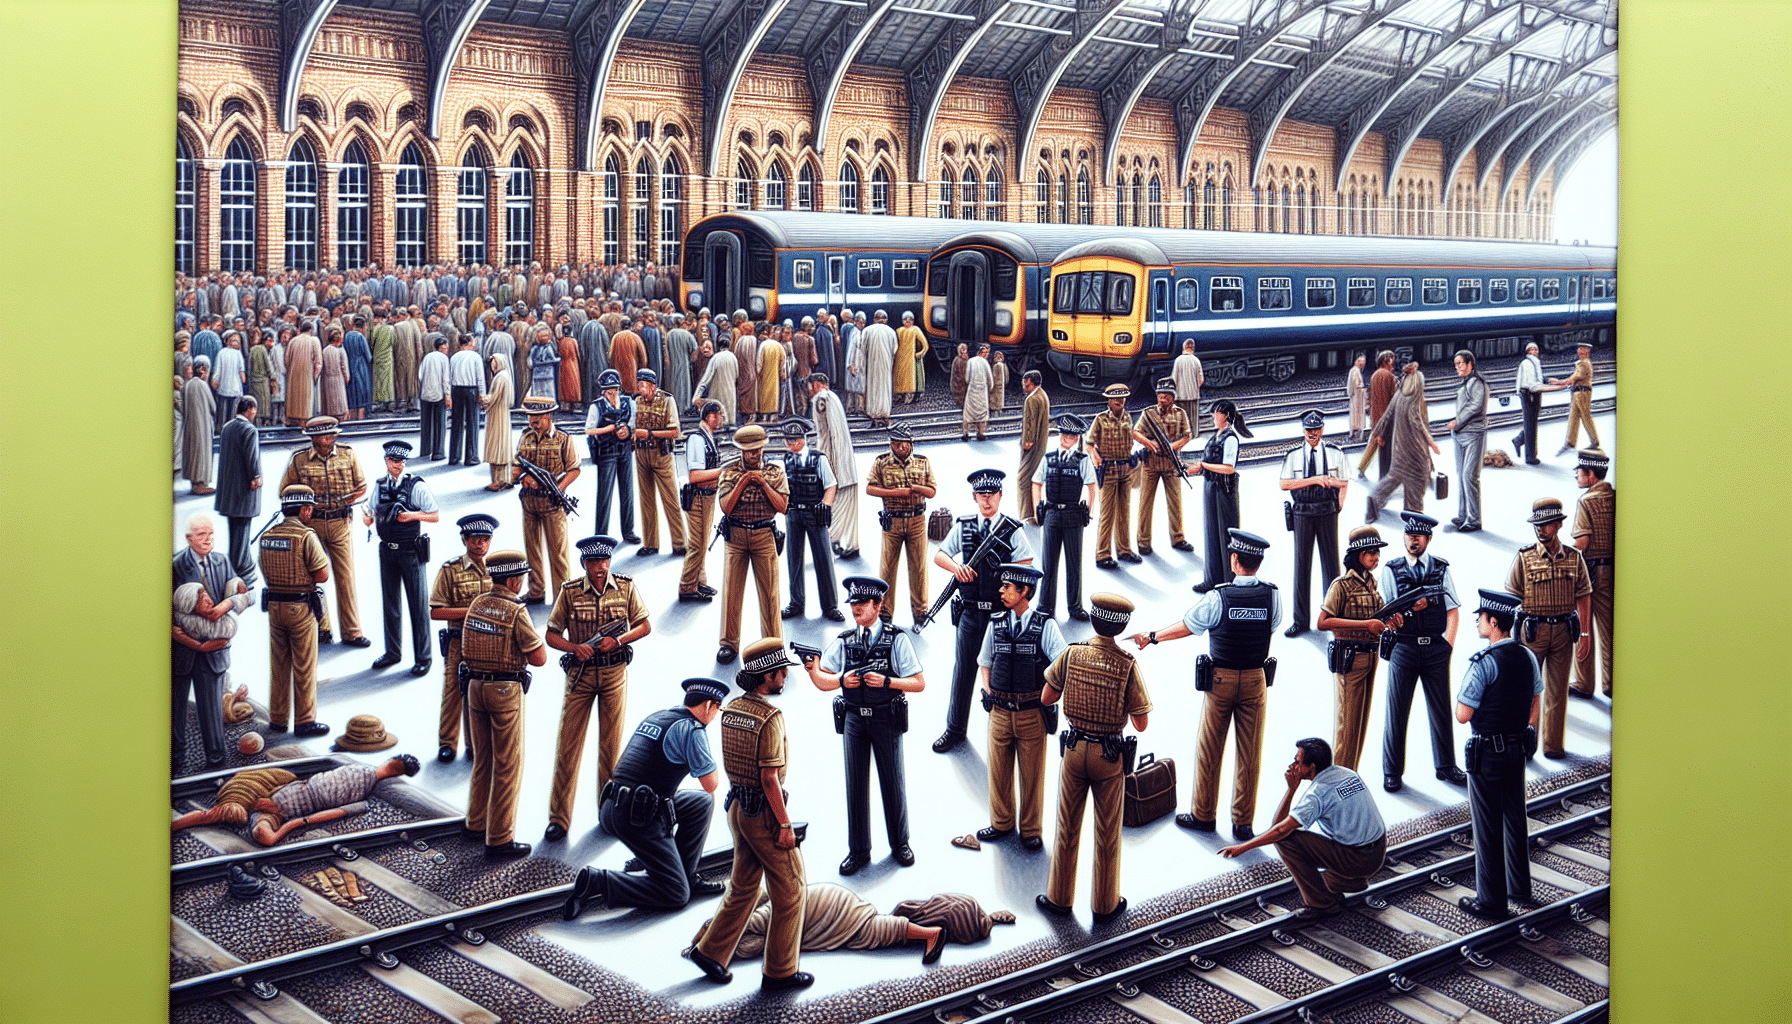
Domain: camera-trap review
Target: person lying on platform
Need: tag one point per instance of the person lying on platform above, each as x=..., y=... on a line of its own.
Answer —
x=834, y=917
x=273, y=801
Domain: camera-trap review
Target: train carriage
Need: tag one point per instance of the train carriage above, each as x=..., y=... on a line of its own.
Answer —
x=992, y=285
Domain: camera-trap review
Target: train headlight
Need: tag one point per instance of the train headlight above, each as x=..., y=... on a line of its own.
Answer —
x=696, y=299
x=1004, y=321
x=1123, y=339
x=756, y=307
x=1060, y=336
x=937, y=316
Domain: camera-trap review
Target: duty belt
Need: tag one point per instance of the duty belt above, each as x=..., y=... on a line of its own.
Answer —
x=1501, y=741
x=288, y=596
x=1579, y=387
x=339, y=513
x=1315, y=508
x=1550, y=620
x=1065, y=506
x=660, y=444
x=1594, y=563
x=397, y=545
x=980, y=606
x=1014, y=703
x=707, y=492
x=496, y=677
x=910, y=514
x=1421, y=640
x=805, y=506
x=735, y=524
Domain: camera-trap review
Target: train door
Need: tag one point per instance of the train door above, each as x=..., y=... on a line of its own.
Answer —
x=722, y=266
x=1581, y=303
x=836, y=282
x=968, y=298
x=1157, y=322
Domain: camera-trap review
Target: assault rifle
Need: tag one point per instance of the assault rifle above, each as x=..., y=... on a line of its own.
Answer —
x=952, y=587
x=1402, y=603
x=572, y=664
x=548, y=486
x=1161, y=438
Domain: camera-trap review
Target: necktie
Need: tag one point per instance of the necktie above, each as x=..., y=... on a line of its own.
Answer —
x=1311, y=471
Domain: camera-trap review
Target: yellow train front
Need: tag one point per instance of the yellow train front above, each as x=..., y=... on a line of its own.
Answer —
x=1098, y=328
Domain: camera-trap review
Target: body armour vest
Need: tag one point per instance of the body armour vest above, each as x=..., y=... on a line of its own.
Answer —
x=1601, y=508
x=1506, y=701
x=803, y=471
x=486, y=644
x=877, y=656
x=988, y=585
x=654, y=415
x=1113, y=437
x=1064, y=476
x=752, y=506
x=386, y=517
x=1019, y=668
x=1314, y=501
x=742, y=722
x=1240, y=639
x=1549, y=583
x=587, y=610
x=282, y=557
x=1361, y=599
x=549, y=452
x=607, y=416
x=1433, y=620
x=644, y=761
x=1095, y=678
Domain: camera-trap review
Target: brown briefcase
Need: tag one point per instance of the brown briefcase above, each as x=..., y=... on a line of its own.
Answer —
x=1150, y=791
x=1443, y=486
x=939, y=526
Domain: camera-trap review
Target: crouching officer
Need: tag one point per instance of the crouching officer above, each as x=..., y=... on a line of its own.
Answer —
x=457, y=583
x=1498, y=700
x=756, y=756
x=662, y=825
x=1101, y=687
x=1064, y=491
x=497, y=643
x=872, y=665
x=293, y=562
x=1017, y=648
x=401, y=502
x=1551, y=580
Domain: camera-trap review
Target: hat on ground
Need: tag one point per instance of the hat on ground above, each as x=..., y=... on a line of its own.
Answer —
x=986, y=481
x=1312, y=419
x=477, y=525
x=1021, y=575
x=400, y=450
x=1499, y=602
x=318, y=426
x=900, y=432
x=1117, y=391
x=1110, y=608
x=1245, y=543
x=365, y=733
x=609, y=379
x=1166, y=385
x=1593, y=458
x=1546, y=510
x=1418, y=523
x=1071, y=423
x=714, y=689
x=539, y=405
x=648, y=376
x=596, y=547
x=796, y=427
x=863, y=588
x=765, y=655
x=501, y=565
x=750, y=438
x=1365, y=538
x=297, y=494
x=708, y=407
x=818, y=378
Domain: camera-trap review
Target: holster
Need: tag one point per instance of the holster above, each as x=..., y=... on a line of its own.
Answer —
x=1574, y=627
x=464, y=676
x=1049, y=713
x=442, y=640
x=1385, y=645
x=1269, y=672
x=1129, y=752
x=840, y=716
x=591, y=446
x=1530, y=628
x=316, y=600
x=723, y=526
x=1083, y=511
x=957, y=610
x=685, y=496
x=643, y=807
x=1471, y=755
x=885, y=521
x=1530, y=742
x=1203, y=673
x=824, y=516
x=1338, y=658
x=778, y=539
x=422, y=546
x=899, y=714
x=1288, y=515
x=750, y=798
x=1101, y=474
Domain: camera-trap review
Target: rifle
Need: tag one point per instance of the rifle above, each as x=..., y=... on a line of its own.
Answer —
x=1161, y=438
x=1402, y=604
x=550, y=487
x=952, y=587
x=572, y=664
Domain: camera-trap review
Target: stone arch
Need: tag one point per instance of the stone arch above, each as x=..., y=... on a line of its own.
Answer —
x=252, y=98
x=234, y=125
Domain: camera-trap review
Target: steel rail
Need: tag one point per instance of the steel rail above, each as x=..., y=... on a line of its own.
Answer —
x=343, y=845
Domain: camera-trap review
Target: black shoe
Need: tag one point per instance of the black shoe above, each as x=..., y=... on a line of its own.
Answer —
x=1474, y=906
x=324, y=636
x=1518, y=443
x=1182, y=545
x=1469, y=528
x=991, y=834
x=1198, y=824
x=713, y=971
x=1294, y=630
x=1106, y=563
x=678, y=552
x=276, y=726
x=790, y=611
x=904, y=855
x=964, y=437
x=508, y=850
x=694, y=595
x=639, y=552
x=706, y=889
x=1453, y=775
x=361, y=641
x=706, y=590
x=1045, y=904
x=587, y=888
x=1119, y=908
x=421, y=668
x=445, y=754
x=310, y=729
x=1553, y=755
x=1202, y=588
x=838, y=551
x=851, y=555
x=1391, y=783
x=853, y=862
x=1243, y=833
x=947, y=741
x=554, y=834
x=1533, y=462
x=1572, y=692
x=1032, y=844
x=1079, y=614
x=1456, y=521
x=629, y=538
x=801, y=979
x=834, y=615
x=1144, y=549
x=726, y=654
x=386, y=661
x=1130, y=557
x=931, y=954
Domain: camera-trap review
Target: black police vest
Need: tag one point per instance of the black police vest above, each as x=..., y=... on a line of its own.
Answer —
x=644, y=761
x=877, y=656
x=1314, y=501
x=1020, y=664
x=1434, y=618
x=803, y=471
x=1215, y=454
x=386, y=518
x=1064, y=476
x=988, y=585
x=1506, y=701
x=609, y=444
x=1240, y=640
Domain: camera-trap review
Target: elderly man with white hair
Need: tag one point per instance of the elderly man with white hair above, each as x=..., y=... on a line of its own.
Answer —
x=202, y=661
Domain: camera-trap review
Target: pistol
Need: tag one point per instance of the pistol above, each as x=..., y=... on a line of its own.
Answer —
x=804, y=652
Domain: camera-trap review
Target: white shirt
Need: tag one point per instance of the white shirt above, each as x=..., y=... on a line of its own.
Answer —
x=1330, y=462
x=1530, y=374
x=432, y=376
x=1385, y=577
x=1051, y=641
x=227, y=370
x=1088, y=467
x=466, y=370
x=1204, y=614
x=953, y=545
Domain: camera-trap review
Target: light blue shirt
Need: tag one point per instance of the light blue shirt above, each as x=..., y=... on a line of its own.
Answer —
x=1204, y=614
x=902, y=654
x=686, y=743
x=953, y=545
x=466, y=369
x=822, y=468
x=420, y=496
x=696, y=452
x=1339, y=807
x=1480, y=672
x=1087, y=464
x=1385, y=579
x=1051, y=642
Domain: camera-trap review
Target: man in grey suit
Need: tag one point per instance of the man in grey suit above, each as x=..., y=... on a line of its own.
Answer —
x=203, y=665
x=1470, y=430
x=239, y=484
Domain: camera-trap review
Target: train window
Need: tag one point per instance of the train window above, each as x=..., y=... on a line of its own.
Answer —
x=802, y=275
x=1552, y=289
x=1434, y=291
x=871, y=273
x=1611, y=287
x=1468, y=291
x=1573, y=288
x=936, y=278
x=1091, y=291
x=1527, y=289
x=905, y=275
x=1188, y=295
x=1360, y=292
x=1399, y=292
x=693, y=262
x=1599, y=288
x=1065, y=299
x=1322, y=292
x=1003, y=276
x=1225, y=294
x=1120, y=289
x=762, y=265
x=1275, y=293
x=1498, y=290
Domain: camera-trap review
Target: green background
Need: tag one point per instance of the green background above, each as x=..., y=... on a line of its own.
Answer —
x=86, y=157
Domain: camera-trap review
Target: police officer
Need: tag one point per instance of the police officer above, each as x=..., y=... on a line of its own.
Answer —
x=334, y=476
x=703, y=467
x=979, y=588
x=756, y=757
x=654, y=430
x=1159, y=467
x=662, y=825
x=1219, y=494
x=1551, y=580
x=544, y=522
x=1017, y=648
x=1348, y=612
x=609, y=433
x=498, y=642
x=1239, y=619
x=1101, y=688
x=1063, y=492
x=1498, y=700
x=807, y=518
x=1595, y=519
x=293, y=563
x=752, y=494
x=1314, y=473
x=457, y=583
x=401, y=502
x=1110, y=443
x=1422, y=647
x=873, y=666
x=1580, y=399
x=594, y=620
x=904, y=480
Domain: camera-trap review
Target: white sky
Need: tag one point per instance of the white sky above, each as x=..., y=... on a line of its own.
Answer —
x=1587, y=199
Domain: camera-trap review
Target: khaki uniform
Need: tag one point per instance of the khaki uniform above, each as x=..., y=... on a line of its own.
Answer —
x=753, y=738
x=756, y=546
x=1102, y=688
x=1596, y=517
x=1017, y=740
x=332, y=479
x=1580, y=404
x=544, y=523
x=288, y=554
x=497, y=639
x=697, y=524
x=1111, y=438
x=578, y=612
x=1237, y=701
x=654, y=473
x=1035, y=426
x=908, y=526
x=1550, y=586
x=457, y=583
x=1161, y=469
x=1353, y=595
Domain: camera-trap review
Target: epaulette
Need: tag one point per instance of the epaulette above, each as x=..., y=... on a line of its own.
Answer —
x=1478, y=655
x=966, y=519
x=620, y=578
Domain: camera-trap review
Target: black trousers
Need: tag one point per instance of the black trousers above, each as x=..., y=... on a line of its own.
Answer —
x=1496, y=809
x=1532, y=404
x=241, y=562
x=226, y=408
x=670, y=860
x=463, y=436
x=807, y=524
x=971, y=627
x=1220, y=510
x=616, y=479
x=429, y=430
x=865, y=738
x=1428, y=664
x=208, y=700
x=1061, y=541
x=1308, y=532
x=401, y=568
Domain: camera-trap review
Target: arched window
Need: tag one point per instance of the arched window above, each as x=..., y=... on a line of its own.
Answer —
x=1085, y=200
x=1063, y=198
x=469, y=206
x=1226, y=204
x=1188, y=204
x=1207, y=205
x=351, y=209
x=948, y=190
x=184, y=208
x=1156, y=202
x=743, y=184
x=236, y=208
x=1269, y=209
x=612, y=210
x=1138, y=199
x=1043, y=211
x=992, y=193
x=776, y=186
x=1374, y=210
x=971, y=191
x=880, y=191
x=672, y=209
x=1300, y=209
x=1120, y=200
x=301, y=206
x=410, y=228
x=849, y=188
x=643, y=211
x=1351, y=222
x=519, y=212
x=805, y=187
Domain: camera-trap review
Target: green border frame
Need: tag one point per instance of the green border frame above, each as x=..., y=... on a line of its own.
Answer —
x=86, y=89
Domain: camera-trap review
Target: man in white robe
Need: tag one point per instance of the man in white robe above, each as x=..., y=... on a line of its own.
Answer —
x=834, y=440
x=878, y=342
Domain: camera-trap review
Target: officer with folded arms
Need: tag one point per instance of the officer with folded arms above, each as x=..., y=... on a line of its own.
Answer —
x=1499, y=700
